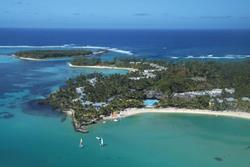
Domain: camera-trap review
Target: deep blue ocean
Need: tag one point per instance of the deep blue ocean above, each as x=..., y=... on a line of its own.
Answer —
x=210, y=44
x=34, y=135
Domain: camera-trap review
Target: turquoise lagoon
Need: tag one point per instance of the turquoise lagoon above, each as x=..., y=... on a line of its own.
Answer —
x=40, y=137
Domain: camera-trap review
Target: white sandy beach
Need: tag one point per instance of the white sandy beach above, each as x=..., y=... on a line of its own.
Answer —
x=103, y=67
x=32, y=59
x=134, y=111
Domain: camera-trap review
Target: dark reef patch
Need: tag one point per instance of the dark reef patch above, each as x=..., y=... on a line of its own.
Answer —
x=11, y=106
x=6, y=115
x=218, y=159
x=63, y=118
x=39, y=107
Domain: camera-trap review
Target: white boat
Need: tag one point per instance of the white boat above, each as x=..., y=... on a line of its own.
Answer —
x=101, y=141
x=81, y=143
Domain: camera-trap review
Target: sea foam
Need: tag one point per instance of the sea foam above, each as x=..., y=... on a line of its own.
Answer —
x=210, y=56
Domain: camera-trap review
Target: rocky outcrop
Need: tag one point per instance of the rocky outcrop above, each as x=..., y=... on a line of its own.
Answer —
x=6, y=115
x=79, y=127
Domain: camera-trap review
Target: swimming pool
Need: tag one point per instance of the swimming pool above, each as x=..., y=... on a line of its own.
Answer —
x=150, y=102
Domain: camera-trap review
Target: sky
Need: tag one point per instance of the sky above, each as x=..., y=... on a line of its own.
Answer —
x=126, y=14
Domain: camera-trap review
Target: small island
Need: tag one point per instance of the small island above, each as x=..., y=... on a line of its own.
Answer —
x=217, y=86
x=46, y=54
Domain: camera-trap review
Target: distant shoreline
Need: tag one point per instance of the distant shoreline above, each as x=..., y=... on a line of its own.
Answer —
x=27, y=58
x=102, y=67
x=135, y=111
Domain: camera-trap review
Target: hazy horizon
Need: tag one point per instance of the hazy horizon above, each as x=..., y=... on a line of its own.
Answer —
x=110, y=14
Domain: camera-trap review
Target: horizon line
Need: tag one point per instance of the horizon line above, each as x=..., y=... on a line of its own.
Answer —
x=82, y=28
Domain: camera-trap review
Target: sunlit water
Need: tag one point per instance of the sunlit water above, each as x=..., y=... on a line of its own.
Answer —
x=37, y=136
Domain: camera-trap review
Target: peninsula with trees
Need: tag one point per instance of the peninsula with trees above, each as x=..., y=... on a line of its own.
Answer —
x=210, y=85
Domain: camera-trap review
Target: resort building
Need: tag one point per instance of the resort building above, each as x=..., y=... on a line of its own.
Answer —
x=211, y=93
x=92, y=81
x=245, y=99
x=230, y=90
x=230, y=99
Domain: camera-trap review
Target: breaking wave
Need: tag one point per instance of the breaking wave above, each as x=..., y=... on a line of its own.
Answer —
x=214, y=57
x=109, y=49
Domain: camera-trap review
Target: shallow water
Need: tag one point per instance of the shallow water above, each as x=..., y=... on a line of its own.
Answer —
x=38, y=137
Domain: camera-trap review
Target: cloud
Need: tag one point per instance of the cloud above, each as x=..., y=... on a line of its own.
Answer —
x=245, y=17
x=216, y=17
x=141, y=14
x=76, y=14
x=35, y=13
x=185, y=17
x=6, y=12
x=19, y=3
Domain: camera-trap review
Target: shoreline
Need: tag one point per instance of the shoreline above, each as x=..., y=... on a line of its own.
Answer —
x=27, y=58
x=103, y=67
x=44, y=59
x=129, y=112
x=135, y=111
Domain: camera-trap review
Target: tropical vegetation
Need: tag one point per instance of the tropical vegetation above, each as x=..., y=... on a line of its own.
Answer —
x=45, y=54
x=166, y=80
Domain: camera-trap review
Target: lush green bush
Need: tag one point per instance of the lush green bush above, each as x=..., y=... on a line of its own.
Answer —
x=44, y=54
